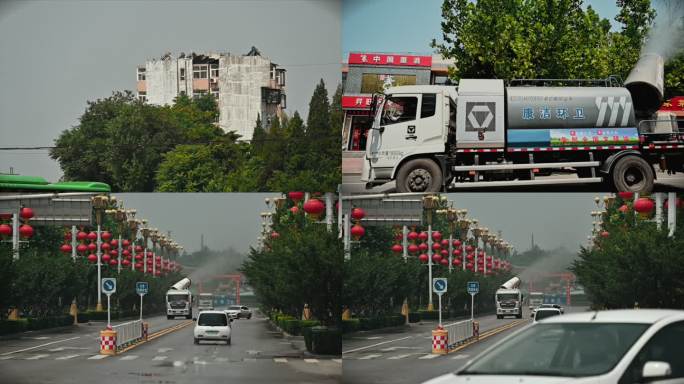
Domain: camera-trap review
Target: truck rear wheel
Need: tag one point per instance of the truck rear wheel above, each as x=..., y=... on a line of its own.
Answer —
x=633, y=174
x=419, y=175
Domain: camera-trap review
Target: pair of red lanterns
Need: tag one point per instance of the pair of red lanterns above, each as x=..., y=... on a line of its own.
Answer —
x=25, y=230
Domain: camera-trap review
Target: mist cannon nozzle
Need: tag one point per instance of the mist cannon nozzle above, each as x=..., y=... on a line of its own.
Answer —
x=646, y=83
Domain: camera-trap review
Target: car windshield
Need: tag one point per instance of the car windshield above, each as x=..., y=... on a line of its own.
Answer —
x=506, y=296
x=560, y=349
x=212, y=320
x=544, y=314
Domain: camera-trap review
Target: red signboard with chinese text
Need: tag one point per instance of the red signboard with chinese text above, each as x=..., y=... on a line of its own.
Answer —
x=356, y=102
x=674, y=104
x=386, y=59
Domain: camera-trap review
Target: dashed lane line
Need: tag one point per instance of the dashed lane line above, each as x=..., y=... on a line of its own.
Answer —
x=429, y=356
x=39, y=346
x=280, y=360
x=375, y=345
x=397, y=357
x=160, y=358
x=460, y=356
x=97, y=357
x=67, y=357
x=36, y=357
x=129, y=357
x=311, y=361
x=368, y=357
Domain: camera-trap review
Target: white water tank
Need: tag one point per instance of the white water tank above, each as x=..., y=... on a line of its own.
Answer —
x=183, y=284
x=511, y=284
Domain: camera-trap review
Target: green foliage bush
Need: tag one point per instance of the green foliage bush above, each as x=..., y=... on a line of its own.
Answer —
x=351, y=325
x=323, y=340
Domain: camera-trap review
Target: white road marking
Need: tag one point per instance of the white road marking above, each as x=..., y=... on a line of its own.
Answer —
x=6, y=357
x=397, y=357
x=38, y=338
x=390, y=349
x=460, y=357
x=164, y=350
x=97, y=357
x=311, y=360
x=36, y=357
x=429, y=356
x=374, y=338
x=221, y=359
x=368, y=357
x=56, y=349
x=129, y=357
x=339, y=361
x=159, y=358
x=375, y=345
x=67, y=357
x=198, y=362
x=38, y=346
x=280, y=360
x=248, y=360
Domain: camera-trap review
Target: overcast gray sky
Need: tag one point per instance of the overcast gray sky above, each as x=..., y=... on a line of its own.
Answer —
x=226, y=219
x=56, y=55
x=232, y=219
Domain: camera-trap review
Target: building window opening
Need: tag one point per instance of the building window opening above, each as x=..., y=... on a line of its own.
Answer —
x=141, y=74
x=182, y=73
x=200, y=71
x=142, y=96
x=360, y=126
x=214, y=71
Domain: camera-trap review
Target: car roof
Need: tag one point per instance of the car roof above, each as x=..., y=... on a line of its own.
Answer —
x=213, y=311
x=547, y=309
x=648, y=316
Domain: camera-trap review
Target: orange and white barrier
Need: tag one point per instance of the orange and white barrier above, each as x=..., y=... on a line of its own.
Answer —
x=440, y=341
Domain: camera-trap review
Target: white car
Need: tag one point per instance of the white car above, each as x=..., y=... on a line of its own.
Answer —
x=239, y=311
x=212, y=325
x=618, y=346
x=545, y=312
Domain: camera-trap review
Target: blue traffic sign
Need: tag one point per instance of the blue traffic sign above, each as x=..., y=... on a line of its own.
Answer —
x=473, y=287
x=439, y=285
x=141, y=287
x=108, y=285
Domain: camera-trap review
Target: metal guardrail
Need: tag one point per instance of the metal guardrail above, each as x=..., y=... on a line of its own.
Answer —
x=459, y=332
x=128, y=333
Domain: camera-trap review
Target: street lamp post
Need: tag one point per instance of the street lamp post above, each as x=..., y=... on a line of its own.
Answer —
x=133, y=226
x=485, y=239
x=155, y=237
x=463, y=227
x=476, y=235
x=100, y=203
x=429, y=203
x=145, y=230
x=452, y=218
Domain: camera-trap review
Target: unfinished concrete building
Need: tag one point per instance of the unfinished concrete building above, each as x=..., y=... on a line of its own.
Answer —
x=245, y=86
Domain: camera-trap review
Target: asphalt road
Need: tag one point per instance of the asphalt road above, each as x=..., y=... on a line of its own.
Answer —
x=71, y=355
x=404, y=355
x=664, y=183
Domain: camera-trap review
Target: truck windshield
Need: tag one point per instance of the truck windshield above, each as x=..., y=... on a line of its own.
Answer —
x=397, y=109
x=506, y=296
x=560, y=349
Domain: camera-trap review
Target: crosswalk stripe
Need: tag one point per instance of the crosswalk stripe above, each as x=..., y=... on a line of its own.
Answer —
x=129, y=357
x=280, y=360
x=429, y=356
x=460, y=356
x=397, y=357
x=36, y=357
x=97, y=357
x=159, y=358
x=67, y=357
x=311, y=360
x=371, y=356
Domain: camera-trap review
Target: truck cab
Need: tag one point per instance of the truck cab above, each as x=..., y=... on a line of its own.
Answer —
x=179, y=303
x=205, y=302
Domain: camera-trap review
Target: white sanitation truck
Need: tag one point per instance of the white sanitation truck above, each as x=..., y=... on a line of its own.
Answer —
x=179, y=300
x=509, y=299
x=205, y=302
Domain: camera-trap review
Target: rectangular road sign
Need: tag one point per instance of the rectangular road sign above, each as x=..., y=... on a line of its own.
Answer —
x=473, y=287
x=108, y=285
x=141, y=287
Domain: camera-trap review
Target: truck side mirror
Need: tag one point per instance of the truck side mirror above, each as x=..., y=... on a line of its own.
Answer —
x=194, y=319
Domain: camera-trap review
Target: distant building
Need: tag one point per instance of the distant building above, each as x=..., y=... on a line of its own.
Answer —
x=245, y=86
x=366, y=73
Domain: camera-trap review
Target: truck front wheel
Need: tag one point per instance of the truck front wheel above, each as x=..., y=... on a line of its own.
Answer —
x=633, y=174
x=419, y=175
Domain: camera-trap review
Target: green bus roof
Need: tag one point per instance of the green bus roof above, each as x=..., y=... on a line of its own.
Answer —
x=36, y=183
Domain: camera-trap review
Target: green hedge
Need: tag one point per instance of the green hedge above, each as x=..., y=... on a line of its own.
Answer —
x=295, y=327
x=351, y=325
x=323, y=340
x=33, y=324
x=370, y=323
x=428, y=315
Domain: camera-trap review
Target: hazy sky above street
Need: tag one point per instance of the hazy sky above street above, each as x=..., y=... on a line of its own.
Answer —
x=233, y=219
x=59, y=54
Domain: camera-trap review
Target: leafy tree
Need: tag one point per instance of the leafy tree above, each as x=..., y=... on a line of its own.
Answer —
x=674, y=77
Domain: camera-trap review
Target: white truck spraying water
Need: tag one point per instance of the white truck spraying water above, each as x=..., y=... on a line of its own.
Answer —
x=179, y=300
x=509, y=299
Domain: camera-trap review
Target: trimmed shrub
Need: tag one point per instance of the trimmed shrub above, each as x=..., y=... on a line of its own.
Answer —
x=13, y=326
x=351, y=325
x=293, y=326
x=323, y=340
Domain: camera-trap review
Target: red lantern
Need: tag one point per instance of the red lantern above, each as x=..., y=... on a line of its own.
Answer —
x=157, y=259
x=357, y=231
x=423, y=236
x=126, y=243
x=149, y=254
x=457, y=243
x=413, y=235
x=358, y=213
x=469, y=265
x=157, y=273
x=605, y=234
x=444, y=253
x=275, y=235
x=445, y=243
x=470, y=256
x=67, y=236
x=92, y=247
x=125, y=263
x=5, y=230
x=5, y=216
x=113, y=262
x=444, y=262
x=138, y=249
x=423, y=258
x=294, y=210
x=104, y=246
x=25, y=231
x=295, y=196
x=626, y=195
x=413, y=248
x=92, y=236
x=114, y=252
x=480, y=268
x=423, y=247
x=469, y=248
x=149, y=261
x=106, y=258
x=457, y=252
x=456, y=262
x=396, y=248
x=314, y=207
x=436, y=236
x=106, y=236
x=624, y=208
x=138, y=265
x=644, y=205
x=398, y=236
x=138, y=256
x=81, y=248
x=65, y=248
x=114, y=243
x=436, y=247
x=80, y=236
x=26, y=213
x=92, y=258
x=489, y=265
x=436, y=258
